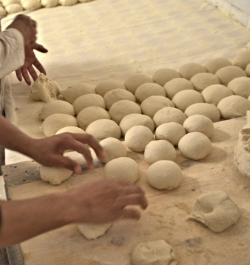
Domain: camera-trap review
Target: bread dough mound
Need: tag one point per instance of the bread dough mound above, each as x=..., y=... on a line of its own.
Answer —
x=93, y=231
x=206, y=109
x=186, y=98
x=2, y=11
x=123, y=169
x=55, y=175
x=176, y=85
x=171, y=132
x=44, y=89
x=147, y=90
x=215, y=93
x=68, y=2
x=88, y=100
x=14, y=8
x=164, y=175
x=49, y=3
x=233, y=107
x=135, y=80
x=153, y=253
x=242, y=59
x=122, y=108
x=6, y=3
x=195, y=145
x=135, y=119
x=70, y=129
x=228, y=73
x=248, y=70
x=203, y=80
x=169, y=114
x=105, y=86
x=113, y=148
x=240, y=86
x=199, y=123
x=31, y=4
x=102, y=129
x=159, y=150
x=154, y=103
x=90, y=114
x=190, y=69
x=138, y=137
x=214, y=65
x=162, y=76
x=215, y=210
x=115, y=95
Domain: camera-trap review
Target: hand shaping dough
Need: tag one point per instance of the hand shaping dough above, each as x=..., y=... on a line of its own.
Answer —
x=14, y=8
x=49, y=3
x=147, y=90
x=203, y=80
x=105, y=86
x=162, y=76
x=93, y=231
x=135, y=80
x=228, y=73
x=176, y=85
x=214, y=65
x=190, y=69
x=242, y=59
x=240, y=86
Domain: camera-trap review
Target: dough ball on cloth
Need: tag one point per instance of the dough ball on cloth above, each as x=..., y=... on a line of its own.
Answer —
x=122, y=108
x=228, y=73
x=13, y=8
x=31, y=4
x=70, y=129
x=123, y=169
x=159, y=150
x=113, y=148
x=68, y=2
x=134, y=119
x=6, y=3
x=2, y=11
x=93, y=231
x=105, y=86
x=135, y=80
x=214, y=65
x=242, y=59
x=104, y=128
x=162, y=76
x=176, y=85
x=203, y=80
x=216, y=211
x=215, y=93
x=153, y=253
x=147, y=90
x=164, y=174
x=195, y=145
x=240, y=86
x=49, y=3
x=190, y=69
x=138, y=137
x=171, y=132
x=233, y=107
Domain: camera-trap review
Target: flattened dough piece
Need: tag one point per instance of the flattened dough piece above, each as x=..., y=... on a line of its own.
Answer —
x=93, y=231
x=190, y=69
x=162, y=76
x=214, y=65
x=228, y=73
x=135, y=80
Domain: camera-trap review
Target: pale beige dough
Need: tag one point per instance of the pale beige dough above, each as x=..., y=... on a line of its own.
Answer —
x=214, y=65
x=14, y=8
x=176, y=85
x=93, y=231
x=2, y=11
x=105, y=86
x=228, y=73
x=70, y=129
x=240, y=86
x=242, y=59
x=31, y=4
x=203, y=80
x=68, y=2
x=49, y=3
x=6, y=3
x=162, y=76
x=147, y=90
x=190, y=69
x=248, y=70
x=135, y=80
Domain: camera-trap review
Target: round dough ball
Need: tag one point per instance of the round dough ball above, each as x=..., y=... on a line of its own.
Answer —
x=13, y=8
x=147, y=90
x=10, y=2
x=242, y=59
x=123, y=169
x=228, y=73
x=113, y=149
x=55, y=122
x=159, y=150
x=240, y=86
x=70, y=129
x=203, y=80
x=190, y=69
x=162, y=76
x=49, y=3
x=176, y=85
x=122, y=108
x=2, y=12
x=138, y=137
x=102, y=129
x=248, y=70
x=164, y=175
x=105, y=86
x=31, y=5
x=233, y=107
x=68, y=2
x=195, y=145
x=135, y=119
x=135, y=80
x=215, y=93
x=90, y=114
x=171, y=132
x=214, y=65
x=206, y=109
x=186, y=98
x=93, y=231
x=199, y=123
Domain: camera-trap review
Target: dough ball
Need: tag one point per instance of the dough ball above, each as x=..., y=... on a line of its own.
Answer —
x=159, y=150
x=242, y=59
x=228, y=73
x=104, y=128
x=215, y=93
x=186, y=98
x=117, y=94
x=164, y=175
x=122, y=108
x=105, y=86
x=195, y=145
x=138, y=137
x=113, y=148
x=199, y=123
x=171, y=132
x=206, y=109
x=55, y=122
x=214, y=65
x=190, y=69
x=90, y=114
x=135, y=119
x=14, y=8
x=203, y=80
x=216, y=211
x=169, y=114
x=123, y=169
x=135, y=80
x=176, y=85
x=162, y=76
x=233, y=107
x=2, y=11
x=49, y=3
x=88, y=100
x=147, y=90
x=154, y=252
x=6, y=3
x=240, y=86
x=31, y=4
x=154, y=103
x=248, y=70
x=68, y=2
x=70, y=129
x=93, y=231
